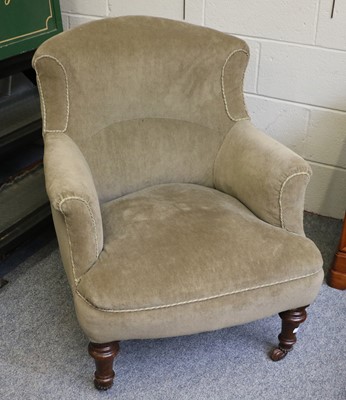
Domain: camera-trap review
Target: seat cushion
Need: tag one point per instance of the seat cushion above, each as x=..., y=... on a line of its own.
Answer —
x=176, y=245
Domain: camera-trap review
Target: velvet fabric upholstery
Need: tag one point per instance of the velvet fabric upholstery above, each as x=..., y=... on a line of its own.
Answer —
x=73, y=194
x=263, y=174
x=174, y=214
x=168, y=71
x=160, y=260
x=151, y=151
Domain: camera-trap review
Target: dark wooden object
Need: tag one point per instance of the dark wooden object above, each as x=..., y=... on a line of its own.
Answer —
x=104, y=355
x=290, y=323
x=24, y=25
x=15, y=64
x=337, y=274
x=11, y=142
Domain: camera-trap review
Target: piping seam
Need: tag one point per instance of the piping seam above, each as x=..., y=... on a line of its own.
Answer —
x=42, y=95
x=282, y=221
x=68, y=232
x=131, y=310
x=223, y=86
x=218, y=153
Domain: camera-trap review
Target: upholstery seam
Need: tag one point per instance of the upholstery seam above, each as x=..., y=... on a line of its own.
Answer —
x=76, y=281
x=282, y=220
x=68, y=232
x=156, y=118
x=131, y=310
x=42, y=95
x=223, y=86
x=219, y=150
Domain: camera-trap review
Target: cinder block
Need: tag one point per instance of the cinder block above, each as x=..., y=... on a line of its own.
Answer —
x=65, y=21
x=250, y=81
x=81, y=19
x=158, y=8
x=194, y=11
x=326, y=192
x=85, y=7
x=285, y=122
x=303, y=74
x=326, y=138
x=331, y=32
x=292, y=20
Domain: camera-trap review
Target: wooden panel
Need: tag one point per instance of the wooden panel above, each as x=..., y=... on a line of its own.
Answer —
x=337, y=276
x=24, y=25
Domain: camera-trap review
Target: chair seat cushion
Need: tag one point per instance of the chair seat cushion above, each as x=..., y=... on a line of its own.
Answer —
x=172, y=245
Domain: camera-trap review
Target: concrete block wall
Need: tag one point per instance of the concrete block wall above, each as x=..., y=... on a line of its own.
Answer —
x=296, y=81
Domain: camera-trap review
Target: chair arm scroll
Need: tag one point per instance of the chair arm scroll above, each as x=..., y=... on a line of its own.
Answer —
x=263, y=174
x=74, y=201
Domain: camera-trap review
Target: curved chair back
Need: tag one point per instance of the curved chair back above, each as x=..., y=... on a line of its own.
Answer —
x=157, y=97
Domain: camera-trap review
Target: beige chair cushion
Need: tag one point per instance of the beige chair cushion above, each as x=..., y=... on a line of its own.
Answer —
x=173, y=249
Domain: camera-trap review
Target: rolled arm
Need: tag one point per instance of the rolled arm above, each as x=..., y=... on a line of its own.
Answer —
x=75, y=204
x=263, y=174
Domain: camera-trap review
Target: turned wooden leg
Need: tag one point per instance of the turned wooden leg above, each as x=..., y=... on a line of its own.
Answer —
x=103, y=354
x=291, y=320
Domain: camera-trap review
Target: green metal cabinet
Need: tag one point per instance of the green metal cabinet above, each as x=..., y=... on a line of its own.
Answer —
x=25, y=24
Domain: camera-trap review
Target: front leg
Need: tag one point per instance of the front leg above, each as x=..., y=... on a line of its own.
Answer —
x=291, y=320
x=103, y=355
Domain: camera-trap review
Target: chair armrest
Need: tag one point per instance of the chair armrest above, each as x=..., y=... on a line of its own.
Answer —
x=264, y=175
x=75, y=204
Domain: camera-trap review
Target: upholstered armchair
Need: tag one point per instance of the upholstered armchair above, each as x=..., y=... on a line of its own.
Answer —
x=174, y=214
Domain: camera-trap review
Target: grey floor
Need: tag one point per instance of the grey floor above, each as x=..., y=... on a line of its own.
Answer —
x=43, y=351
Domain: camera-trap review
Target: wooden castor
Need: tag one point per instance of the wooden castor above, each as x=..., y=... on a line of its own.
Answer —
x=291, y=320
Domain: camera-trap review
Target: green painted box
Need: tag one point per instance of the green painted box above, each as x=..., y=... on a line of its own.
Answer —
x=25, y=24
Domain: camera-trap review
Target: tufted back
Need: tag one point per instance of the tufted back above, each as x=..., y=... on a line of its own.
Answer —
x=147, y=100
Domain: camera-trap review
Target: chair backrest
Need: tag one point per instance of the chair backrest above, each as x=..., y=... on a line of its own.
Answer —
x=147, y=100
